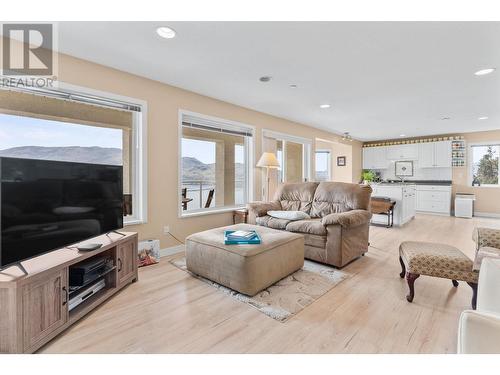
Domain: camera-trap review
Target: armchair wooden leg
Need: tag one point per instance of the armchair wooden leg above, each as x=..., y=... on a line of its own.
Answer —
x=410, y=278
x=403, y=268
x=474, y=294
x=455, y=283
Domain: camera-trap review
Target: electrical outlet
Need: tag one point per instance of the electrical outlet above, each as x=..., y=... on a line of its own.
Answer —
x=166, y=229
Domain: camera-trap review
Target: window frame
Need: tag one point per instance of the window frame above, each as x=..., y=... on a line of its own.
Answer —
x=139, y=149
x=470, y=155
x=249, y=157
x=329, y=162
x=307, y=151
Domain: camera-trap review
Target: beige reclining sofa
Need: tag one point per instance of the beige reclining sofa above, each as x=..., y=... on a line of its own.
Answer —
x=338, y=229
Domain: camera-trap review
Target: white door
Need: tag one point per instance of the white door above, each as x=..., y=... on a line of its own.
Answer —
x=442, y=154
x=426, y=155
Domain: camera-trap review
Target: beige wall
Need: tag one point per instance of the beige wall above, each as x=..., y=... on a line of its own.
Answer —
x=487, y=198
x=164, y=102
x=349, y=173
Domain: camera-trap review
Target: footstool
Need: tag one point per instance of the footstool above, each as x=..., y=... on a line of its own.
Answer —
x=247, y=269
x=438, y=260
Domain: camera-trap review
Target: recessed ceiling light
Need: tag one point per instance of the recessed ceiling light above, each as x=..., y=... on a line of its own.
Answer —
x=265, y=78
x=483, y=72
x=293, y=86
x=324, y=106
x=483, y=118
x=166, y=32
x=402, y=135
x=446, y=118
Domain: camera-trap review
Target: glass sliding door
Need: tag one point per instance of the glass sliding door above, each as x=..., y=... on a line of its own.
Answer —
x=293, y=154
x=294, y=162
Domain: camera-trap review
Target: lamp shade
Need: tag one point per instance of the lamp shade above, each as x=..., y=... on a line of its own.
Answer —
x=268, y=159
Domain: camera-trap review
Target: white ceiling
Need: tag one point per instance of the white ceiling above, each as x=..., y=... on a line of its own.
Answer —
x=382, y=79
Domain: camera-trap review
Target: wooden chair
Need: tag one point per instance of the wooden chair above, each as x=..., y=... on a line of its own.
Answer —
x=184, y=199
x=209, y=198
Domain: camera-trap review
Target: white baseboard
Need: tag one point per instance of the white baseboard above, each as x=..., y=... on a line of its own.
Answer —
x=486, y=214
x=171, y=250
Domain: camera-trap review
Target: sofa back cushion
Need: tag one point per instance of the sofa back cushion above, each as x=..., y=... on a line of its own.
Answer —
x=296, y=196
x=335, y=197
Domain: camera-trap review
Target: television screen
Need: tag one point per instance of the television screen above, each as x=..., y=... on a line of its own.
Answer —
x=47, y=205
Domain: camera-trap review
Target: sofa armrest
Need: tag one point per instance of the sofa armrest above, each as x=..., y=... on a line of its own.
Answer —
x=486, y=237
x=348, y=219
x=257, y=209
x=478, y=333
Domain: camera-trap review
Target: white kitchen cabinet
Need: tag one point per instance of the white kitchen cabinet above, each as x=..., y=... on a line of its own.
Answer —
x=434, y=154
x=375, y=158
x=403, y=194
x=435, y=199
x=402, y=152
x=426, y=155
x=442, y=154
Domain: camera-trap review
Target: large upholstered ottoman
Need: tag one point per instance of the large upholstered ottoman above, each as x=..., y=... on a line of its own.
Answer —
x=247, y=269
x=438, y=260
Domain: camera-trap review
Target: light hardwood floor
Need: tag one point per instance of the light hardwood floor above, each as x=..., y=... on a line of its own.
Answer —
x=168, y=311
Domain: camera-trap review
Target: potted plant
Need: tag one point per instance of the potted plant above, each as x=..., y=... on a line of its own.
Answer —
x=367, y=176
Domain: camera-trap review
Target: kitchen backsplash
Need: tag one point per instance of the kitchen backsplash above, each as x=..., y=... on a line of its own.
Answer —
x=418, y=173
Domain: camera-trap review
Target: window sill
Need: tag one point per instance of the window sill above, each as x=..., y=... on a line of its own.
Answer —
x=126, y=223
x=486, y=187
x=210, y=212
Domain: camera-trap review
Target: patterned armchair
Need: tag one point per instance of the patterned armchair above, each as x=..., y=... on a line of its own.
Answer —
x=487, y=244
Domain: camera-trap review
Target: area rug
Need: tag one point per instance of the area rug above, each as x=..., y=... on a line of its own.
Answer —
x=288, y=296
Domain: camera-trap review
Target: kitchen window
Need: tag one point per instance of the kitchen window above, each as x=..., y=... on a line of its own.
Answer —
x=484, y=164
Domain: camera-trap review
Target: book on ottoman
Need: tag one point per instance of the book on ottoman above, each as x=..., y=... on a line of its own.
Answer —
x=232, y=237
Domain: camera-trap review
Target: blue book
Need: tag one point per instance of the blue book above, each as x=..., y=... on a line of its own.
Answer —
x=228, y=240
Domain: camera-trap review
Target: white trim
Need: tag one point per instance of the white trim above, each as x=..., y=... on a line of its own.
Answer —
x=140, y=153
x=471, y=164
x=286, y=137
x=250, y=151
x=172, y=250
x=486, y=214
x=307, y=151
x=210, y=211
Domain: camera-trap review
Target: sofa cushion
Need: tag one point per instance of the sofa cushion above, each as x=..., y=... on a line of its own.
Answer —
x=289, y=215
x=272, y=222
x=335, y=197
x=296, y=196
x=307, y=226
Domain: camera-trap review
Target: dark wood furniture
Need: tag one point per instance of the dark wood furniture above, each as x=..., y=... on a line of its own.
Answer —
x=383, y=206
x=34, y=305
x=242, y=214
x=209, y=198
x=185, y=199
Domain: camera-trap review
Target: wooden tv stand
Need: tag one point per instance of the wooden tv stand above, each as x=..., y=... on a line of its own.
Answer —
x=34, y=306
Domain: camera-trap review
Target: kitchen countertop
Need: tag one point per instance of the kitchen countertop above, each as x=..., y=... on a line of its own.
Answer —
x=417, y=182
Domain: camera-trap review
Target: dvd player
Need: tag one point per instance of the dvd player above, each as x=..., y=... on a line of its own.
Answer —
x=86, y=294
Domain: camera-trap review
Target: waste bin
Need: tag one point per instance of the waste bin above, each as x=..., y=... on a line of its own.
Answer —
x=464, y=205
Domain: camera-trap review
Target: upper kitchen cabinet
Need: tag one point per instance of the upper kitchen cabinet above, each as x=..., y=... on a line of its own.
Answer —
x=375, y=158
x=434, y=154
x=402, y=152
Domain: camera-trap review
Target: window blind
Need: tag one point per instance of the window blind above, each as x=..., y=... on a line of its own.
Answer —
x=216, y=126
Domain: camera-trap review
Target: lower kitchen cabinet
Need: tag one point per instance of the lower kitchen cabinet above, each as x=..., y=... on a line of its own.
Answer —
x=404, y=195
x=434, y=199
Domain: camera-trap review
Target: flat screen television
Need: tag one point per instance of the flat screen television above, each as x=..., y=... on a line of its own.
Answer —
x=46, y=205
